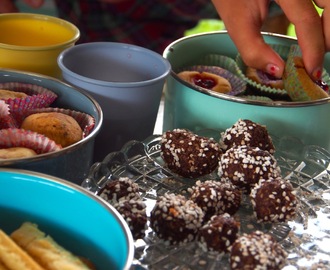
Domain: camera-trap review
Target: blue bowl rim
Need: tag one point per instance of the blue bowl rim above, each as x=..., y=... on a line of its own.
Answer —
x=110, y=45
x=102, y=202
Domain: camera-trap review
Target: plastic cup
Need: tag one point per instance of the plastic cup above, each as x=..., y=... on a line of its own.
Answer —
x=126, y=80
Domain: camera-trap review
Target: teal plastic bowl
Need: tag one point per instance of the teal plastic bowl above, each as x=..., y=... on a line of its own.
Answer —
x=187, y=107
x=78, y=220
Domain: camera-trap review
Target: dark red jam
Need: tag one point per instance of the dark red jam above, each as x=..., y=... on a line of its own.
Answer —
x=323, y=85
x=204, y=82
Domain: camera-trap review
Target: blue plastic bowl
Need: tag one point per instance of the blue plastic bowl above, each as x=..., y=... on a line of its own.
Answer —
x=78, y=220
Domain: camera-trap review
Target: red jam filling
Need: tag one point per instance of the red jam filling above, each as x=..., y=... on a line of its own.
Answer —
x=204, y=82
x=323, y=85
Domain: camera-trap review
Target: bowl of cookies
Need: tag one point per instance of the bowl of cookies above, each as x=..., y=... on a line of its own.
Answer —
x=46, y=125
x=211, y=87
x=79, y=231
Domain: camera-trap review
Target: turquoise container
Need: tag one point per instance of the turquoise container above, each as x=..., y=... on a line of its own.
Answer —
x=187, y=107
x=75, y=218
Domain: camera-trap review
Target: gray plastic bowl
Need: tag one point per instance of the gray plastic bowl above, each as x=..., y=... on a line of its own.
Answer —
x=71, y=163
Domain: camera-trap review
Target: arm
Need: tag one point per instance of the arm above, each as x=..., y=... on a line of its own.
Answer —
x=244, y=21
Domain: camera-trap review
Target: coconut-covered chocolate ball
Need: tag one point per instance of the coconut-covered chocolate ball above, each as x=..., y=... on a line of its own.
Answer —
x=247, y=132
x=216, y=197
x=188, y=154
x=175, y=219
x=245, y=166
x=257, y=250
x=219, y=233
x=121, y=188
x=274, y=200
x=135, y=215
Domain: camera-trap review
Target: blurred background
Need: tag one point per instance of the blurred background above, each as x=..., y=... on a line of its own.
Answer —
x=48, y=8
x=204, y=25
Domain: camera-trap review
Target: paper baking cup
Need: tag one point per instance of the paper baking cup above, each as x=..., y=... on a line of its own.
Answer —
x=218, y=60
x=237, y=84
x=261, y=89
x=38, y=97
x=6, y=119
x=14, y=137
x=85, y=121
x=293, y=83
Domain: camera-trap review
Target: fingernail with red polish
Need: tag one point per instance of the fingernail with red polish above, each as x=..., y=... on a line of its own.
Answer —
x=317, y=74
x=272, y=69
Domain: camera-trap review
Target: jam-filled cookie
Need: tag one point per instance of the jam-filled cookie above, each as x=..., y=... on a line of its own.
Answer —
x=206, y=80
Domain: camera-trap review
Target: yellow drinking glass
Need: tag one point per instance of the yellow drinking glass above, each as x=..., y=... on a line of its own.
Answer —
x=32, y=42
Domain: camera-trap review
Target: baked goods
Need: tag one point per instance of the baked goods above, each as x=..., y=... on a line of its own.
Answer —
x=16, y=142
x=7, y=94
x=264, y=78
x=16, y=152
x=304, y=88
x=175, y=219
x=297, y=82
x=219, y=233
x=257, y=250
x=206, y=80
x=274, y=200
x=60, y=127
x=216, y=197
x=25, y=102
x=135, y=215
x=123, y=194
x=12, y=257
x=122, y=188
x=44, y=250
x=188, y=154
x=247, y=132
x=245, y=166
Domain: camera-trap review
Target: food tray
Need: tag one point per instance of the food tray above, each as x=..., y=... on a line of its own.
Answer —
x=306, y=239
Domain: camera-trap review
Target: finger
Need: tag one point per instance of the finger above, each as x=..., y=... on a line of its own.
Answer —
x=309, y=30
x=244, y=29
x=325, y=5
x=7, y=6
x=326, y=27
